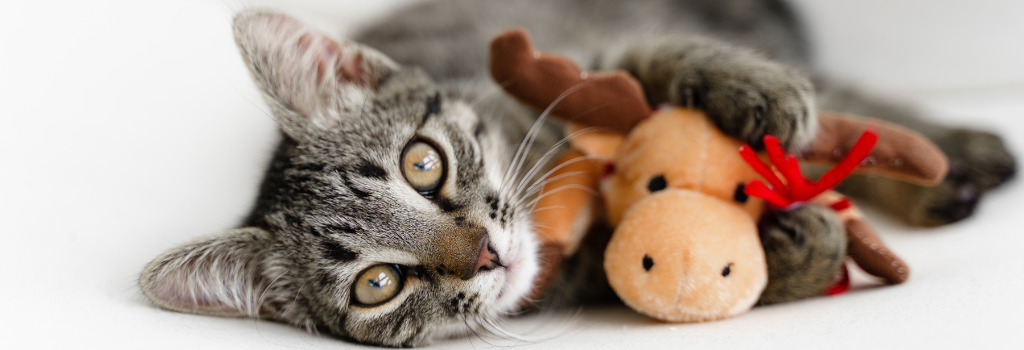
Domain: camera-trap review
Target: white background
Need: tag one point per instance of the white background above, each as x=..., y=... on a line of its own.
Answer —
x=128, y=127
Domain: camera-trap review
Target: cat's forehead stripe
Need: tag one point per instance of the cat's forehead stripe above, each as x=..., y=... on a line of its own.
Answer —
x=370, y=170
x=338, y=252
x=469, y=160
x=361, y=194
x=433, y=107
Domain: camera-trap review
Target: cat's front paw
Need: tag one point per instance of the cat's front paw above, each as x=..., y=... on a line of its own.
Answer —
x=752, y=98
x=805, y=249
x=978, y=162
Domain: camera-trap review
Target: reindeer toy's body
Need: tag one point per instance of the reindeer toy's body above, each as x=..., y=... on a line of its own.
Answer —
x=688, y=239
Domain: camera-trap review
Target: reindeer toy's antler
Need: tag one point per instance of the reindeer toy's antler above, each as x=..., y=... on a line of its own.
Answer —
x=610, y=99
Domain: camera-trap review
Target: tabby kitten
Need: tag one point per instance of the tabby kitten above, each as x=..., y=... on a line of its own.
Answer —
x=395, y=211
x=388, y=214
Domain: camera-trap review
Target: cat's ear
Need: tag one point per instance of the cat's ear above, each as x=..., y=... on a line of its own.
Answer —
x=215, y=275
x=309, y=80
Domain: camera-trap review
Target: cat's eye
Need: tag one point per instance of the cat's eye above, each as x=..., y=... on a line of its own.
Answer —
x=423, y=167
x=377, y=284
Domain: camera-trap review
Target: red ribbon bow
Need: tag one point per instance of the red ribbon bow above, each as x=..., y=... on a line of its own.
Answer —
x=798, y=189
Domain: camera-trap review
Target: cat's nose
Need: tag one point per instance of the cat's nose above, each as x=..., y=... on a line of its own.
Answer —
x=462, y=253
x=488, y=259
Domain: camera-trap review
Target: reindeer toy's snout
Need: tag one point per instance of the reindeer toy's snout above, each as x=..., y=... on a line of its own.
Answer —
x=686, y=246
x=687, y=266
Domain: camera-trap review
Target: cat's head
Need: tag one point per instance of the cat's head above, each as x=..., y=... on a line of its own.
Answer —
x=383, y=217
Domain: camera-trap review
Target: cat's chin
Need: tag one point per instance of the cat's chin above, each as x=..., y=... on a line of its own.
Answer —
x=520, y=273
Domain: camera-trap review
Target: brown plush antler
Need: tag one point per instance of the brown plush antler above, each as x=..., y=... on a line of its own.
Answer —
x=899, y=153
x=871, y=254
x=863, y=244
x=611, y=99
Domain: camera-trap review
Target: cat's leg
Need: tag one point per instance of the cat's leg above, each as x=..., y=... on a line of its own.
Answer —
x=746, y=94
x=979, y=161
x=805, y=249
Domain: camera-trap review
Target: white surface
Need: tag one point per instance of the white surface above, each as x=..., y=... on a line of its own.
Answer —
x=919, y=45
x=130, y=127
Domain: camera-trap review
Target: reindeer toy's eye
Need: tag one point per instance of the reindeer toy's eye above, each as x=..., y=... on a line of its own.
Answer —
x=657, y=183
x=740, y=196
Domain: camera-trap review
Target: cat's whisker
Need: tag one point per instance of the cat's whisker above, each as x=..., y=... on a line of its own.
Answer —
x=540, y=183
x=527, y=143
x=546, y=313
x=509, y=172
x=537, y=163
x=493, y=328
x=560, y=189
x=546, y=182
x=519, y=150
x=549, y=208
x=533, y=339
x=470, y=328
x=478, y=335
x=551, y=152
x=567, y=163
x=541, y=226
x=499, y=333
x=532, y=134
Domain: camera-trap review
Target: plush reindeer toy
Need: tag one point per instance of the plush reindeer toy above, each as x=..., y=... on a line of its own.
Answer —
x=704, y=229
